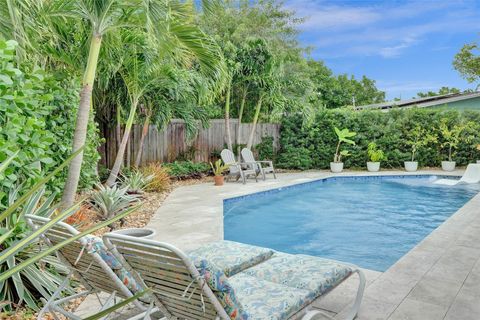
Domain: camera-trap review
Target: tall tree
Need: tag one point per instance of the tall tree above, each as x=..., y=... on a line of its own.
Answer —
x=467, y=62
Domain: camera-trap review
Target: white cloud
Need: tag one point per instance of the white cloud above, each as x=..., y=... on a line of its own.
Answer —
x=320, y=17
x=384, y=29
x=395, y=51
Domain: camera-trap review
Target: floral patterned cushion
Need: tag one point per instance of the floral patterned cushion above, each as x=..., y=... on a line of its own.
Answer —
x=313, y=274
x=231, y=257
x=218, y=282
x=265, y=300
x=95, y=245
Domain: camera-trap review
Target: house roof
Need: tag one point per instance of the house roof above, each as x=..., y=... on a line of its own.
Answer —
x=421, y=102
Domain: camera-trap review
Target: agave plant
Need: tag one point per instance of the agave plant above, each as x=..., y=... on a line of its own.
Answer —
x=29, y=270
x=136, y=181
x=111, y=201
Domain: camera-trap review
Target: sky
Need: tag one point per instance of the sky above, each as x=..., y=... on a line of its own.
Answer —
x=406, y=46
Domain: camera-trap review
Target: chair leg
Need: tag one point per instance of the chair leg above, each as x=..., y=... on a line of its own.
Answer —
x=63, y=285
x=358, y=299
x=274, y=175
x=352, y=313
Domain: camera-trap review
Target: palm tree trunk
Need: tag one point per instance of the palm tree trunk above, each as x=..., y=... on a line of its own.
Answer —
x=146, y=125
x=228, y=134
x=81, y=125
x=118, y=128
x=255, y=120
x=240, y=115
x=112, y=178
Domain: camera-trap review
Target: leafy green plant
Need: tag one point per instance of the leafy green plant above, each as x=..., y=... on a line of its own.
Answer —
x=343, y=135
x=310, y=146
x=375, y=154
x=187, y=169
x=111, y=201
x=451, y=136
x=418, y=138
x=219, y=167
x=266, y=149
x=136, y=181
x=37, y=120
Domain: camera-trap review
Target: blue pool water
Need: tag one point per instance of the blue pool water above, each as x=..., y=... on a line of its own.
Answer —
x=368, y=221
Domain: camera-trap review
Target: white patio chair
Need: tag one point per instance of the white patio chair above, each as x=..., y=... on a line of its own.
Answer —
x=471, y=175
x=182, y=292
x=85, y=266
x=235, y=168
x=264, y=166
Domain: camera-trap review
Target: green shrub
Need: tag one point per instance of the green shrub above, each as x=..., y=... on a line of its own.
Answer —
x=307, y=146
x=187, y=169
x=37, y=118
x=265, y=149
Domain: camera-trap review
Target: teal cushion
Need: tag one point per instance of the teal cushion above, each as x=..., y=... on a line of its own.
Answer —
x=218, y=282
x=313, y=274
x=231, y=257
x=265, y=300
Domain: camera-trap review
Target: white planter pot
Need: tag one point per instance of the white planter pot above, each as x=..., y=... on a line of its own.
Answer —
x=478, y=161
x=411, y=166
x=373, y=166
x=448, y=165
x=144, y=233
x=336, y=167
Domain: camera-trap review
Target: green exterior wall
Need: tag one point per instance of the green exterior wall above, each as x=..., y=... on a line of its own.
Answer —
x=468, y=104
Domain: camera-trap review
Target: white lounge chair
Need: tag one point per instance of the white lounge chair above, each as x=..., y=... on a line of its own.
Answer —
x=471, y=175
x=90, y=263
x=264, y=166
x=228, y=280
x=235, y=168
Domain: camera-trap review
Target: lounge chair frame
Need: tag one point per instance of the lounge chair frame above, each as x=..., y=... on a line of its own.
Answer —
x=172, y=277
x=96, y=276
x=262, y=166
x=237, y=169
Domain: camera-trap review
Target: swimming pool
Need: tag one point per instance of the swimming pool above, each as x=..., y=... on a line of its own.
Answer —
x=368, y=221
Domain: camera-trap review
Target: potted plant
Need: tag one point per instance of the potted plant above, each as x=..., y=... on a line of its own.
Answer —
x=343, y=136
x=451, y=137
x=218, y=170
x=418, y=138
x=375, y=155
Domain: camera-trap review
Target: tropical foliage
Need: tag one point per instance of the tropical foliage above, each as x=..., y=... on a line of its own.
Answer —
x=37, y=119
x=28, y=270
x=310, y=145
x=218, y=168
x=187, y=169
x=112, y=201
x=374, y=153
x=453, y=134
x=343, y=136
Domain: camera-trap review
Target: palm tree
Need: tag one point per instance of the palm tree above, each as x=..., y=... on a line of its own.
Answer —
x=39, y=24
x=102, y=16
x=142, y=68
x=180, y=94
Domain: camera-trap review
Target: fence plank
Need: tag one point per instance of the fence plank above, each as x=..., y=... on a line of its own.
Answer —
x=168, y=144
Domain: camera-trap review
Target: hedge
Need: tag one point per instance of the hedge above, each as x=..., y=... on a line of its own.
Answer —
x=312, y=145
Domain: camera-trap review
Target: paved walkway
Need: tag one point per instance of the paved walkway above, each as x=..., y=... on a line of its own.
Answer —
x=438, y=279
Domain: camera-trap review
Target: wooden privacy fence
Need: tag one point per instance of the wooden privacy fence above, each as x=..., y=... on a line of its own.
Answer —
x=168, y=144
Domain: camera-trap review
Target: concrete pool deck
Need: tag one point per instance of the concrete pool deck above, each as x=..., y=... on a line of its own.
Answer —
x=437, y=279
